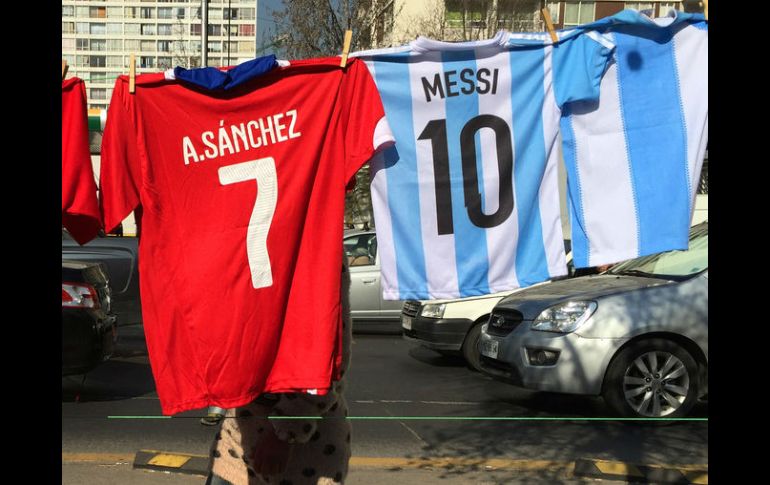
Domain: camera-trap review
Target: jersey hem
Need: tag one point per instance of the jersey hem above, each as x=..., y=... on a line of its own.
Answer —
x=176, y=408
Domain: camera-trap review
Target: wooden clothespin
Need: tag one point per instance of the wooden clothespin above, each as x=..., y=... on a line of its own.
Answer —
x=346, y=47
x=64, y=69
x=132, y=75
x=706, y=8
x=549, y=25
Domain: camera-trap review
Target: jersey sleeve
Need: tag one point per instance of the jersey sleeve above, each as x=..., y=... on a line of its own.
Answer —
x=579, y=63
x=366, y=129
x=121, y=177
x=80, y=208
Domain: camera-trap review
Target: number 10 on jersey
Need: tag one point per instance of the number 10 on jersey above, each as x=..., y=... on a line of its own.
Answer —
x=436, y=132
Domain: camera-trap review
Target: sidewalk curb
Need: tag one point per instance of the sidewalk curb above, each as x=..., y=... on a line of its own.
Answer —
x=602, y=469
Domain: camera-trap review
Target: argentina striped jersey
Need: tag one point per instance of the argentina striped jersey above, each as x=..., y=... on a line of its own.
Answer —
x=634, y=157
x=466, y=203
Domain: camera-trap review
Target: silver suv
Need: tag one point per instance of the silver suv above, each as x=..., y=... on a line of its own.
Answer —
x=636, y=334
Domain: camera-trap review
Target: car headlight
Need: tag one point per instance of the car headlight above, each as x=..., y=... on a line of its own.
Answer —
x=433, y=310
x=565, y=317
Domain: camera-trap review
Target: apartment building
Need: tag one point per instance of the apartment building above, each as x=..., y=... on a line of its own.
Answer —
x=99, y=36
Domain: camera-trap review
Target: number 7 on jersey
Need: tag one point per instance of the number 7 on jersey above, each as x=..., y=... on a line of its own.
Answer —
x=263, y=171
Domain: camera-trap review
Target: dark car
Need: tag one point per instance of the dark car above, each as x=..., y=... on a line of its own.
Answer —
x=89, y=328
x=120, y=258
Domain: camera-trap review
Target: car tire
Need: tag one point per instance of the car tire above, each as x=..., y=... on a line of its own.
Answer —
x=640, y=370
x=470, y=348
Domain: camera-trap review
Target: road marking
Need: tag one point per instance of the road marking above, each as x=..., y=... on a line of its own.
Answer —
x=167, y=460
x=615, y=468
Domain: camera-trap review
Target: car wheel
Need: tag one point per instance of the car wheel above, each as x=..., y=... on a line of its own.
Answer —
x=471, y=347
x=653, y=378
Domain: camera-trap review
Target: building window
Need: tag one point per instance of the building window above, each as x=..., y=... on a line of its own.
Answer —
x=131, y=12
x=82, y=28
x=164, y=29
x=232, y=29
x=195, y=46
x=215, y=14
x=466, y=13
x=147, y=62
x=147, y=13
x=511, y=16
x=180, y=13
x=165, y=63
x=82, y=44
x=98, y=45
x=98, y=29
x=82, y=12
x=98, y=93
x=215, y=47
x=67, y=11
x=98, y=61
x=639, y=6
x=666, y=7
x=114, y=28
x=246, y=47
x=97, y=12
x=115, y=61
x=553, y=9
x=148, y=29
x=131, y=29
x=180, y=46
x=246, y=14
x=231, y=47
x=114, y=45
x=98, y=77
x=114, y=12
x=230, y=14
x=577, y=13
x=83, y=61
x=195, y=29
x=164, y=12
x=215, y=30
x=164, y=46
x=68, y=44
x=245, y=30
x=148, y=46
x=132, y=45
x=68, y=27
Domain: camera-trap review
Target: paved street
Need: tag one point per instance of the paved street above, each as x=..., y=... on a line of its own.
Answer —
x=410, y=410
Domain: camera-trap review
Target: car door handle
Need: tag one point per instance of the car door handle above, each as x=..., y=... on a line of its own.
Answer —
x=369, y=281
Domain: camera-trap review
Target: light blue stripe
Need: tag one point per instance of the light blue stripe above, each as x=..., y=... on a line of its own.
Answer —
x=392, y=77
x=580, y=249
x=470, y=240
x=649, y=93
x=527, y=98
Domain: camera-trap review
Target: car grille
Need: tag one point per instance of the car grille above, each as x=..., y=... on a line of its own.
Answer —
x=411, y=308
x=503, y=322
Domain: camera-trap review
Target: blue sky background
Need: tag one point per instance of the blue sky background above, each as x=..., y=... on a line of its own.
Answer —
x=266, y=26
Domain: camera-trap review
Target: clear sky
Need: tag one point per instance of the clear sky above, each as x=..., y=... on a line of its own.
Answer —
x=266, y=26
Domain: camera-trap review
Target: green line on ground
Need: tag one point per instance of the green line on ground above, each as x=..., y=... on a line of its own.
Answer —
x=441, y=418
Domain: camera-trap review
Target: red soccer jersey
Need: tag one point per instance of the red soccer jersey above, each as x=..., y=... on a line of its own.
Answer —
x=79, y=207
x=243, y=200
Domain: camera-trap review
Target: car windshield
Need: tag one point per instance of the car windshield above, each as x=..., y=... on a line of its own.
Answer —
x=671, y=264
